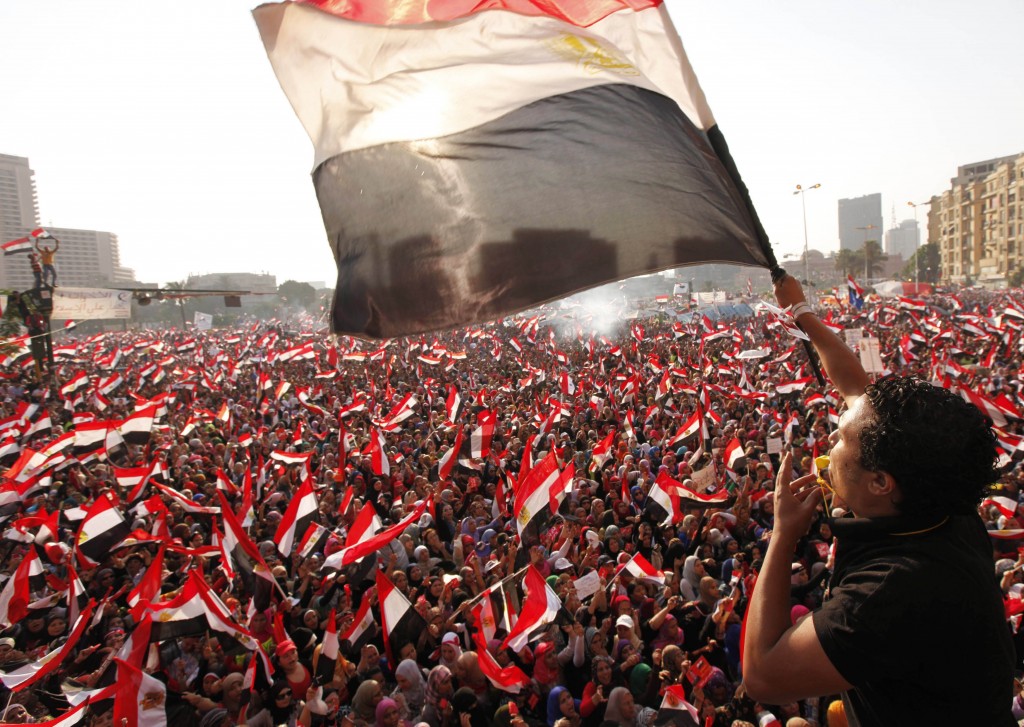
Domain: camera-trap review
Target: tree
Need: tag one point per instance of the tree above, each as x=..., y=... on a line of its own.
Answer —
x=847, y=261
x=179, y=303
x=301, y=294
x=873, y=258
x=927, y=265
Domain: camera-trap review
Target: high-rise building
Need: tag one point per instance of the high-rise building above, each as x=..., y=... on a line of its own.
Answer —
x=86, y=259
x=19, y=208
x=903, y=239
x=979, y=223
x=860, y=219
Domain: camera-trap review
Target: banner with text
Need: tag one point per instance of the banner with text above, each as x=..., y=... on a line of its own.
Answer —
x=84, y=304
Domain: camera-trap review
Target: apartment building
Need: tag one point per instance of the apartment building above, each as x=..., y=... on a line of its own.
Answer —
x=979, y=223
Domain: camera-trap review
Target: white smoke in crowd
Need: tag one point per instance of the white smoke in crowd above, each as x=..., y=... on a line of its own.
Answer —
x=602, y=311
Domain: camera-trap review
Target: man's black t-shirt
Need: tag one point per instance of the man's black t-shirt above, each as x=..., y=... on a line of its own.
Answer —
x=914, y=620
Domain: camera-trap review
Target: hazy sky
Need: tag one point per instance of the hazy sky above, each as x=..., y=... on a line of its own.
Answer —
x=163, y=122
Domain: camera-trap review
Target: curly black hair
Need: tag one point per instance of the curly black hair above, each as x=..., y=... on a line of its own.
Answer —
x=940, y=449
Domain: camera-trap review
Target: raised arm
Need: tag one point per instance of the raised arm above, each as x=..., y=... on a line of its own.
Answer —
x=841, y=364
x=783, y=662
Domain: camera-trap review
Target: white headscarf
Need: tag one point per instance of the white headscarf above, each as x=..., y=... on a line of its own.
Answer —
x=415, y=696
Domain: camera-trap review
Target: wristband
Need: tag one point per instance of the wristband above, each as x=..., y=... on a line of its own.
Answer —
x=799, y=309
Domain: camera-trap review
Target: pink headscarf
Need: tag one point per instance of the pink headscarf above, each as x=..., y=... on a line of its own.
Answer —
x=544, y=674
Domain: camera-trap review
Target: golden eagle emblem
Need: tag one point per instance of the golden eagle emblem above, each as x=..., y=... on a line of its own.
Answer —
x=592, y=55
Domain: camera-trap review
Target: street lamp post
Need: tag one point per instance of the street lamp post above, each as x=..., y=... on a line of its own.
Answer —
x=803, y=205
x=865, y=250
x=917, y=260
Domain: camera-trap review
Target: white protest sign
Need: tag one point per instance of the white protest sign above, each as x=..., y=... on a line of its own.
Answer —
x=871, y=356
x=587, y=585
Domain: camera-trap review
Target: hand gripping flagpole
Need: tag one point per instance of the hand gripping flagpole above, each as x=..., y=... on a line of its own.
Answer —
x=721, y=150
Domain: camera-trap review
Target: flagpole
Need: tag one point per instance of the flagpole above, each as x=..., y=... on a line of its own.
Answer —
x=472, y=601
x=721, y=149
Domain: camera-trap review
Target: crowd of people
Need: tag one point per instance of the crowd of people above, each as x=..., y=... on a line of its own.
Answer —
x=269, y=456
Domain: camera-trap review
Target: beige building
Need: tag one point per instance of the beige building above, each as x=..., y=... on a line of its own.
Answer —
x=978, y=223
x=86, y=259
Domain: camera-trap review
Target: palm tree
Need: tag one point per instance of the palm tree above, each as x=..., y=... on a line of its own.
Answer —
x=179, y=302
x=846, y=261
x=873, y=258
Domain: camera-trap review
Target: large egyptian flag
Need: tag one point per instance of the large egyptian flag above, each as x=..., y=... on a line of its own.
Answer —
x=508, y=679
x=474, y=159
x=302, y=510
x=141, y=699
x=532, y=501
x=662, y=504
x=640, y=568
x=539, y=608
x=401, y=623
x=36, y=669
x=365, y=541
x=675, y=710
x=328, y=659
x=102, y=530
x=17, y=592
x=136, y=428
x=195, y=610
x=361, y=630
x=241, y=557
x=690, y=498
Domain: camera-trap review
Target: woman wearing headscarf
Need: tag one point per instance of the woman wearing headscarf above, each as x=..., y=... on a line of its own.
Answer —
x=450, y=650
x=625, y=656
x=447, y=528
x=365, y=701
x=673, y=661
x=719, y=689
x=231, y=693
x=411, y=691
x=388, y=714
x=435, y=546
x=669, y=633
x=280, y=709
x=439, y=688
x=623, y=711
x=596, y=640
x=548, y=663
x=693, y=571
x=546, y=669
x=644, y=685
x=604, y=677
x=695, y=613
x=260, y=626
x=561, y=705
x=465, y=704
x=414, y=574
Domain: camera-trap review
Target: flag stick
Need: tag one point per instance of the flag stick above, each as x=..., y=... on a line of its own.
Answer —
x=721, y=150
x=472, y=601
